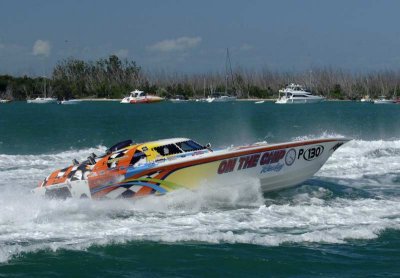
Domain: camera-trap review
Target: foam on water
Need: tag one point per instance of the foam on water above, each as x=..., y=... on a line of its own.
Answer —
x=373, y=165
x=215, y=213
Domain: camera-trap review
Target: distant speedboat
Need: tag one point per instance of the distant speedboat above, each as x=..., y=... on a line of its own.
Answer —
x=217, y=97
x=42, y=100
x=366, y=99
x=179, y=99
x=5, y=100
x=209, y=99
x=70, y=101
x=384, y=100
x=224, y=98
x=259, y=102
x=296, y=94
x=137, y=96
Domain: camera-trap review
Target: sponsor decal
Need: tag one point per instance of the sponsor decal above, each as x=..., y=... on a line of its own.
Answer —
x=290, y=157
x=334, y=148
x=272, y=157
x=311, y=153
x=253, y=160
x=227, y=166
x=272, y=168
x=250, y=161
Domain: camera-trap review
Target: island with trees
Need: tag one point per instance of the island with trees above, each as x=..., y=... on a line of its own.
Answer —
x=113, y=78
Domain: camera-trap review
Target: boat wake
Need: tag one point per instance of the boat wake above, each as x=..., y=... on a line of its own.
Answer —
x=355, y=196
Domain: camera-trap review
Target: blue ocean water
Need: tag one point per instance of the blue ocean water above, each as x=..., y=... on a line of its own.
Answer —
x=344, y=222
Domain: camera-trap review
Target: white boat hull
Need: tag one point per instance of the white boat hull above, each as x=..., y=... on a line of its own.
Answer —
x=126, y=100
x=386, y=101
x=69, y=102
x=224, y=99
x=286, y=173
x=42, y=100
x=178, y=100
x=299, y=101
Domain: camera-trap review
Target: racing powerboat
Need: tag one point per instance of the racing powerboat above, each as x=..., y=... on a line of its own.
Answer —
x=137, y=96
x=130, y=169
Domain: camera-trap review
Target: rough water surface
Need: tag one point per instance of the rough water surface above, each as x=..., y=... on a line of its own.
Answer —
x=345, y=221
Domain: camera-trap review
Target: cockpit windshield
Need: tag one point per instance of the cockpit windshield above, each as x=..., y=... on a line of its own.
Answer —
x=138, y=158
x=167, y=150
x=190, y=146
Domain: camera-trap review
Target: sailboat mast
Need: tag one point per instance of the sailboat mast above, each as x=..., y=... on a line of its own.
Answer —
x=226, y=84
x=44, y=87
x=204, y=87
x=228, y=70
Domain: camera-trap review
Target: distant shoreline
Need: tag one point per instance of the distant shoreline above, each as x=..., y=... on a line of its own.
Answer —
x=239, y=99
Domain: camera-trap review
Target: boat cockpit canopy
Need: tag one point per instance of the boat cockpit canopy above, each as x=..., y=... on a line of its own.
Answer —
x=179, y=147
x=137, y=93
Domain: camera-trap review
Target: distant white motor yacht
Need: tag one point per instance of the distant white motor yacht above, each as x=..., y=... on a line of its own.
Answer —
x=366, y=99
x=225, y=98
x=42, y=100
x=296, y=94
x=217, y=97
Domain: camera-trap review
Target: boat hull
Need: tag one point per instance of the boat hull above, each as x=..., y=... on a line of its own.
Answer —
x=225, y=99
x=146, y=100
x=386, y=101
x=299, y=101
x=42, y=100
x=70, y=102
x=138, y=100
x=275, y=166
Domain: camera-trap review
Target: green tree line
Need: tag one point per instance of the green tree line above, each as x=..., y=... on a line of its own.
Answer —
x=114, y=78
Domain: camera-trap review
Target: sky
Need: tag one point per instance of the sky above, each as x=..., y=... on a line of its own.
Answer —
x=192, y=36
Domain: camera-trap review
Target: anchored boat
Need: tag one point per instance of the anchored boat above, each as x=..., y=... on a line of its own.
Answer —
x=137, y=96
x=295, y=94
x=384, y=100
x=42, y=100
x=70, y=101
x=129, y=170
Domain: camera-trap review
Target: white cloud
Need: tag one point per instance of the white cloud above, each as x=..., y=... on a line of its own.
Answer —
x=41, y=48
x=179, y=44
x=122, y=53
